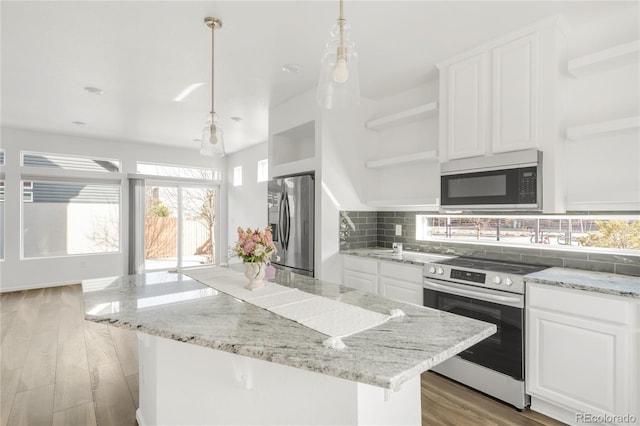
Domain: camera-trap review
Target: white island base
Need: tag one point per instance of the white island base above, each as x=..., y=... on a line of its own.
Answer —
x=182, y=383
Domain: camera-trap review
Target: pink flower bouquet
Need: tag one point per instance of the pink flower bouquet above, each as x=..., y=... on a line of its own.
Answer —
x=254, y=246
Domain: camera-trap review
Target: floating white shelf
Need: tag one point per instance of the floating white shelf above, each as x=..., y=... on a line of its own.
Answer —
x=401, y=160
x=402, y=116
x=603, y=128
x=427, y=203
x=603, y=60
x=293, y=167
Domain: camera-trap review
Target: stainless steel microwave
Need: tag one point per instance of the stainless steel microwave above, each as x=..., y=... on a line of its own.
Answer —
x=508, y=181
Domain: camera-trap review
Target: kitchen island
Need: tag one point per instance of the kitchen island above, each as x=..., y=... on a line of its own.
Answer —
x=208, y=358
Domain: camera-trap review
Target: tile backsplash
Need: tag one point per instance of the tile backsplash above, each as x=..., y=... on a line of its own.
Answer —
x=366, y=229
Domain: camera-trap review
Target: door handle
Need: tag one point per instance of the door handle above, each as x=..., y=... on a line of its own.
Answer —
x=281, y=220
x=288, y=221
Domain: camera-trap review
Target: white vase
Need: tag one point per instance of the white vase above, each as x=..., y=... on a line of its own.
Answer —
x=254, y=271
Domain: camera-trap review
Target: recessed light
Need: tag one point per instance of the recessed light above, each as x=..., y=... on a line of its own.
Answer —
x=79, y=123
x=237, y=119
x=94, y=90
x=291, y=68
x=187, y=91
x=197, y=140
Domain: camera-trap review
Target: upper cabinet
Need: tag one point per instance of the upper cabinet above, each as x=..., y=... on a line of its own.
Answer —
x=464, y=121
x=515, y=76
x=491, y=96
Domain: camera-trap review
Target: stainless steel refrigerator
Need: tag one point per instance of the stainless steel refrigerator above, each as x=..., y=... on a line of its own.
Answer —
x=291, y=217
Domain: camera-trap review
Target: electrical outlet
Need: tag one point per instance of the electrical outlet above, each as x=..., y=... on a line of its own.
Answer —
x=398, y=229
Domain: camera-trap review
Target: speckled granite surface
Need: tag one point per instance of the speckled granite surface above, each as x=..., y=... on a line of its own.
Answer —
x=176, y=307
x=599, y=282
x=409, y=257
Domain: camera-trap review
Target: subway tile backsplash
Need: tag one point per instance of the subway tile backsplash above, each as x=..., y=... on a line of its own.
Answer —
x=365, y=229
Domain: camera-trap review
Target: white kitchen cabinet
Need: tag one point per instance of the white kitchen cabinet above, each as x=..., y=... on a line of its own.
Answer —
x=360, y=273
x=401, y=282
x=494, y=93
x=515, y=73
x=393, y=280
x=466, y=116
x=582, y=353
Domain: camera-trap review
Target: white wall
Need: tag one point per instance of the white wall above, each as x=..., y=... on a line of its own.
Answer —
x=247, y=204
x=17, y=273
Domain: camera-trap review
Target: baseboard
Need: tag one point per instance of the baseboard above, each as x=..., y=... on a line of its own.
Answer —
x=552, y=410
x=37, y=286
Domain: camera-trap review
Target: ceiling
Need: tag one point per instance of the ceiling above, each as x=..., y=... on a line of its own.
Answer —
x=142, y=54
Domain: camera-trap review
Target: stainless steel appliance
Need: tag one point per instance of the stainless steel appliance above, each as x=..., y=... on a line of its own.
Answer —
x=290, y=202
x=509, y=181
x=493, y=292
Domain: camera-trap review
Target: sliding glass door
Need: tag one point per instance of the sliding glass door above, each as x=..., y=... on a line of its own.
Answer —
x=180, y=225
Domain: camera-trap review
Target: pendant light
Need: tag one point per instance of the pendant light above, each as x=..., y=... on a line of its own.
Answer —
x=339, y=86
x=212, y=139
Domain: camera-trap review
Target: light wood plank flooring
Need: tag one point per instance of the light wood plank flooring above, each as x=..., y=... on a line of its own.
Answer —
x=57, y=369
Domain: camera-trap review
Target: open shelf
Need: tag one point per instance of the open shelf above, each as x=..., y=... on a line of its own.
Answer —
x=401, y=160
x=613, y=57
x=603, y=128
x=402, y=116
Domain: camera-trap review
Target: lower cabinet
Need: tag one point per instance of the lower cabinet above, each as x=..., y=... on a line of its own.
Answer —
x=360, y=273
x=401, y=282
x=390, y=279
x=582, y=355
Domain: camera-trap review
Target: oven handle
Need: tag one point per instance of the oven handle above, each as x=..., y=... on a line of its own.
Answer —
x=514, y=301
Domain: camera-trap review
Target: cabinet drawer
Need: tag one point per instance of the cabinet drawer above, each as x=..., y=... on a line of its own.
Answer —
x=566, y=301
x=402, y=272
x=360, y=264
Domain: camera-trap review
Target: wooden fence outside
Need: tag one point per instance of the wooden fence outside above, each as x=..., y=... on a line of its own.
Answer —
x=161, y=238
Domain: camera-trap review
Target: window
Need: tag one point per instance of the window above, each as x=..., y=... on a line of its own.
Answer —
x=178, y=171
x=237, y=176
x=62, y=218
x=590, y=233
x=263, y=170
x=68, y=162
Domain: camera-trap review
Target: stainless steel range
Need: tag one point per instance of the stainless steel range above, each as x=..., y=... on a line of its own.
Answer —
x=493, y=292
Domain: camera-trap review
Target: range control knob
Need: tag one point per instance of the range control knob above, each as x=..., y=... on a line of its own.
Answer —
x=440, y=271
x=432, y=269
x=497, y=280
x=507, y=281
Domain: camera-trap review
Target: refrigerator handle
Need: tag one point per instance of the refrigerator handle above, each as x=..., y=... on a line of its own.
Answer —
x=288, y=231
x=281, y=220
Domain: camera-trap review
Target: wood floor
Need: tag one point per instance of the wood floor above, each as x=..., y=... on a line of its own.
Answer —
x=57, y=369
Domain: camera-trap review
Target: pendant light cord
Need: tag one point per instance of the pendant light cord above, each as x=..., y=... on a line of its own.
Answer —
x=213, y=32
x=341, y=23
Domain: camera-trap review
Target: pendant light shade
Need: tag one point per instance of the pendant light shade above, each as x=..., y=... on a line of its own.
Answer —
x=339, y=86
x=212, y=144
x=212, y=139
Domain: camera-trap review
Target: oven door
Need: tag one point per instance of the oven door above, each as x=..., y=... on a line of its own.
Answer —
x=501, y=352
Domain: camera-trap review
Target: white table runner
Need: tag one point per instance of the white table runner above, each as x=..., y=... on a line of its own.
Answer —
x=330, y=317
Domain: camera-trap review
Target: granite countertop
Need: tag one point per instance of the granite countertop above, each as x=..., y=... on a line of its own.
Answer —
x=409, y=257
x=599, y=282
x=174, y=306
